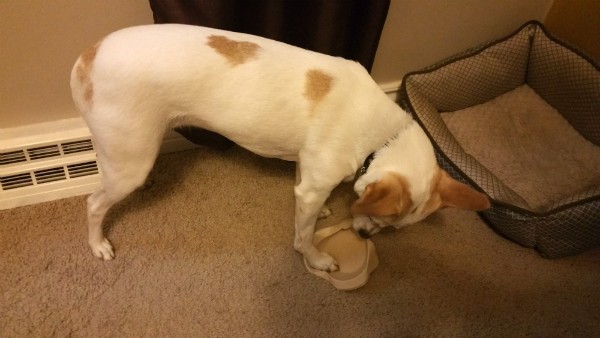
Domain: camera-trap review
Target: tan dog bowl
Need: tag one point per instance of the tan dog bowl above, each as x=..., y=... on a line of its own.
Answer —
x=356, y=256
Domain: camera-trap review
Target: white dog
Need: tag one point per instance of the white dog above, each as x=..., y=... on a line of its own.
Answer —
x=324, y=112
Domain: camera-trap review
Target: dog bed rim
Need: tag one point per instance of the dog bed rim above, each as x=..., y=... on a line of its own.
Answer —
x=479, y=49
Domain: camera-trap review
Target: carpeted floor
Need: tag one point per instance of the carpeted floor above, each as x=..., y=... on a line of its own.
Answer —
x=207, y=252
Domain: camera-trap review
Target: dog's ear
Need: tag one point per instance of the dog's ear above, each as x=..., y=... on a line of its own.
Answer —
x=386, y=197
x=458, y=195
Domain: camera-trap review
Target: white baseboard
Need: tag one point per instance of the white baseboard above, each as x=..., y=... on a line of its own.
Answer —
x=39, y=166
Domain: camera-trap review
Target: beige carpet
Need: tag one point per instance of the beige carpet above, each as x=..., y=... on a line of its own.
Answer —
x=207, y=252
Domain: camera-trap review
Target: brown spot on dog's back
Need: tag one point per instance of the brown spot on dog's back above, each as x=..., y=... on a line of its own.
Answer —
x=86, y=62
x=317, y=85
x=84, y=70
x=236, y=52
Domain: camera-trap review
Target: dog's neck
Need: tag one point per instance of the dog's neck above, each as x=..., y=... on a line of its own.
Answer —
x=408, y=153
x=365, y=167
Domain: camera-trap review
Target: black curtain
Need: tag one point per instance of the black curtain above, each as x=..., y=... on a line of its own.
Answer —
x=346, y=28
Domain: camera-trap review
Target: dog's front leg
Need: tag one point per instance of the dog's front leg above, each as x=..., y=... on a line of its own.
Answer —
x=309, y=202
x=325, y=210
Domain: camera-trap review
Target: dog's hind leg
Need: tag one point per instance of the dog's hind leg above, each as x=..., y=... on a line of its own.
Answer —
x=97, y=206
x=124, y=167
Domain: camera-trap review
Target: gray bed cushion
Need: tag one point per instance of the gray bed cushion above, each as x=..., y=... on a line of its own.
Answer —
x=558, y=213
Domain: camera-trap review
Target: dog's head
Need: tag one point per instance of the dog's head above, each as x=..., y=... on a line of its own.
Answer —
x=406, y=185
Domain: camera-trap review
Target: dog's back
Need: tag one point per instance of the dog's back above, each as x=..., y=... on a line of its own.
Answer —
x=167, y=75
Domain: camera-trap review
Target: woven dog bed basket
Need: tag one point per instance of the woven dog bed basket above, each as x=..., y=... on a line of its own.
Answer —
x=562, y=76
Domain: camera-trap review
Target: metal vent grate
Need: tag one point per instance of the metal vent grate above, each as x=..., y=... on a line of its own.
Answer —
x=16, y=181
x=43, y=152
x=77, y=146
x=82, y=169
x=50, y=175
x=46, y=151
x=12, y=157
x=44, y=163
x=47, y=175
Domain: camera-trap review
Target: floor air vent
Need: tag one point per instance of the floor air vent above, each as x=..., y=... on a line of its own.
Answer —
x=16, y=181
x=50, y=175
x=43, y=152
x=77, y=146
x=47, y=171
x=41, y=168
x=82, y=169
x=46, y=151
x=12, y=157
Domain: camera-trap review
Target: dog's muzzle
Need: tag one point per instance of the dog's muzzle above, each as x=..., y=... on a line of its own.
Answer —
x=365, y=226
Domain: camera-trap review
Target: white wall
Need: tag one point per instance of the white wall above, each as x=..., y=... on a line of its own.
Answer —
x=418, y=33
x=40, y=40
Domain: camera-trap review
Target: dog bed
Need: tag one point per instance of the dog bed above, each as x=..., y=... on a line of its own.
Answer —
x=519, y=119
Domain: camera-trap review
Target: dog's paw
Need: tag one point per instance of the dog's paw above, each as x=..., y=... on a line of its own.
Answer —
x=325, y=212
x=103, y=249
x=322, y=261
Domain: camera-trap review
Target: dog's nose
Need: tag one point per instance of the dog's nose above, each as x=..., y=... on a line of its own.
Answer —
x=364, y=234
